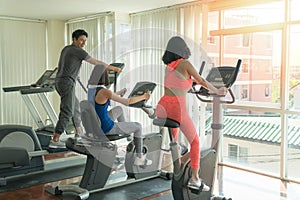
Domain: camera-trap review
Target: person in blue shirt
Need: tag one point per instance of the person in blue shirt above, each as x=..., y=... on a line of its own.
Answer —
x=113, y=121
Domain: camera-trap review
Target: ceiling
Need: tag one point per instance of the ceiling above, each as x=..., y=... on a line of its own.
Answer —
x=69, y=9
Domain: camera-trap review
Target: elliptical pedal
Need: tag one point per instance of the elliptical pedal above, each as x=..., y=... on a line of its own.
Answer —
x=220, y=198
x=195, y=191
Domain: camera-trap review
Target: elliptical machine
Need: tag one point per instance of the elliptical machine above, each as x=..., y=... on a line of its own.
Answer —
x=219, y=77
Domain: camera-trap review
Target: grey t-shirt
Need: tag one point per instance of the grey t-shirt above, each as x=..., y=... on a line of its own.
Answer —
x=70, y=61
x=96, y=74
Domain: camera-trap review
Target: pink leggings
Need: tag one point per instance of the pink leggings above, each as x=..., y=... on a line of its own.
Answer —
x=174, y=107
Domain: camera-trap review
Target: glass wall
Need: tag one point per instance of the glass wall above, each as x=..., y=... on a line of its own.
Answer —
x=252, y=139
x=254, y=15
x=259, y=80
x=293, y=146
x=294, y=10
x=261, y=122
x=293, y=127
x=294, y=67
x=267, y=90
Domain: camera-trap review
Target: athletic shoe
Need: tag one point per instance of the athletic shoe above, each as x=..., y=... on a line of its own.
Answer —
x=78, y=136
x=150, y=111
x=64, y=136
x=152, y=114
x=183, y=149
x=143, y=161
x=198, y=185
x=57, y=145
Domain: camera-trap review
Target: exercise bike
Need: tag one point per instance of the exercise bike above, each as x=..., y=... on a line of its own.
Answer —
x=101, y=152
x=219, y=76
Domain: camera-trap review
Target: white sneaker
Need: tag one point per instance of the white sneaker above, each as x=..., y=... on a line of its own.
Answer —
x=143, y=161
x=57, y=145
x=64, y=136
x=198, y=185
x=152, y=114
x=78, y=137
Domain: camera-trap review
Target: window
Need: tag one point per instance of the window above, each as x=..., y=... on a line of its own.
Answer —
x=244, y=92
x=294, y=9
x=261, y=60
x=245, y=66
x=293, y=146
x=267, y=91
x=211, y=40
x=243, y=154
x=232, y=152
x=237, y=153
x=246, y=40
x=294, y=66
x=255, y=15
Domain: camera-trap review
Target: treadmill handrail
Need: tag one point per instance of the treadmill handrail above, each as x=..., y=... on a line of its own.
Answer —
x=37, y=90
x=16, y=88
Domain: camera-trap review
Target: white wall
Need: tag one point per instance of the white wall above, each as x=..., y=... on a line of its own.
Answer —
x=55, y=43
x=28, y=48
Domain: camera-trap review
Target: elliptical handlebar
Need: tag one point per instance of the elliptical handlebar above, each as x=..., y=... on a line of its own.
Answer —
x=235, y=74
x=81, y=84
x=227, y=74
x=198, y=95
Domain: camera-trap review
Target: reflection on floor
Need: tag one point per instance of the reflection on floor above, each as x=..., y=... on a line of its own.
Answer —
x=245, y=185
x=236, y=184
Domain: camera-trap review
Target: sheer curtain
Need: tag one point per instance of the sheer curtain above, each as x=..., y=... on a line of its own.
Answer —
x=148, y=37
x=150, y=34
x=98, y=44
x=23, y=60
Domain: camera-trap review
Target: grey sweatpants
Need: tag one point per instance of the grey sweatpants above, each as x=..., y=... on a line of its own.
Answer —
x=69, y=104
x=127, y=128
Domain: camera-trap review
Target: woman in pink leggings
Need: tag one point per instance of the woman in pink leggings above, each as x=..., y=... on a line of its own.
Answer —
x=178, y=81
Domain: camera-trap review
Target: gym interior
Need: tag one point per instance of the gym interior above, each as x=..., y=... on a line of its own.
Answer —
x=256, y=127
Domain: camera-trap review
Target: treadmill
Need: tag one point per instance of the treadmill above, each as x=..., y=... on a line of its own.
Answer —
x=45, y=84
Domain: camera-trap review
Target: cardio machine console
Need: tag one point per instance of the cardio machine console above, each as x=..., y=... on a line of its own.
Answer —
x=112, y=75
x=139, y=89
x=223, y=76
x=47, y=79
x=41, y=85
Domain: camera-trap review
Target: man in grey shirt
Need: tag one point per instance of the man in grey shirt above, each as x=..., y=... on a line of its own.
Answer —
x=68, y=69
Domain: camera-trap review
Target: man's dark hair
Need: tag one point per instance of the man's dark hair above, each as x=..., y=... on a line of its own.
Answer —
x=176, y=48
x=79, y=32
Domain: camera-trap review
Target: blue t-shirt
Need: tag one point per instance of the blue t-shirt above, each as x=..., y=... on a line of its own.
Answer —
x=101, y=110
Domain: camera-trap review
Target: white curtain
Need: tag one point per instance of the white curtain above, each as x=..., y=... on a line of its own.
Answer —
x=148, y=37
x=23, y=60
x=98, y=45
x=150, y=34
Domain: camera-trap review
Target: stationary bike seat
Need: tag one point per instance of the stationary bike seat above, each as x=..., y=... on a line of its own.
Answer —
x=166, y=122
